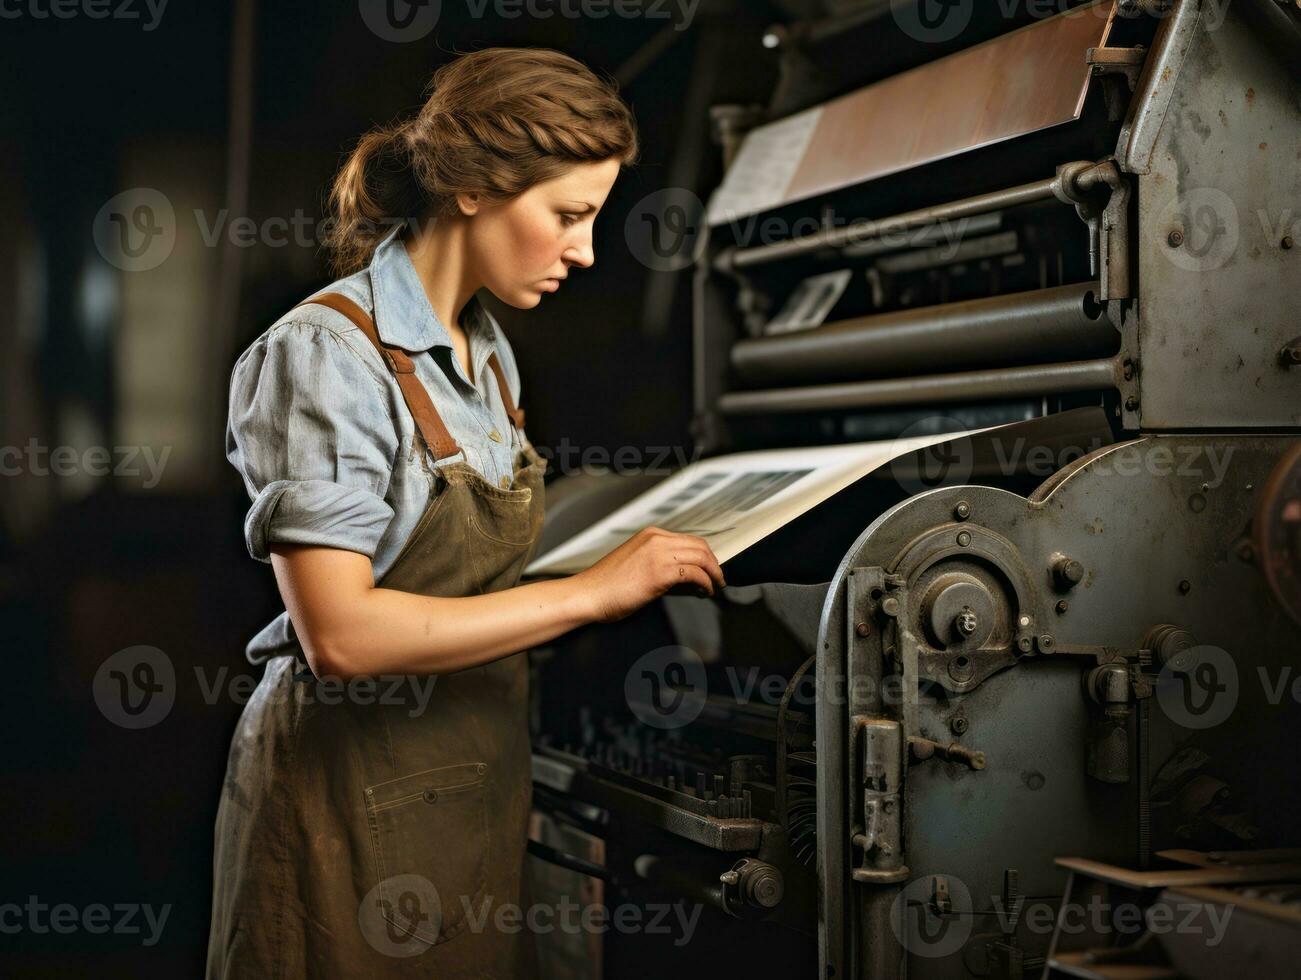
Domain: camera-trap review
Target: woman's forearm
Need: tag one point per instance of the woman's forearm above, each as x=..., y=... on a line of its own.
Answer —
x=391, y=632
x=349, y=627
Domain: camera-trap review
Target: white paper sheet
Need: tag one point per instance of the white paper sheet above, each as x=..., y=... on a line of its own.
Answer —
x=733, y=501
x=763, y=168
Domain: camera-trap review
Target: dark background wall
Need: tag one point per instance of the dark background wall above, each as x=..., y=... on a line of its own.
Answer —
x=106, y=368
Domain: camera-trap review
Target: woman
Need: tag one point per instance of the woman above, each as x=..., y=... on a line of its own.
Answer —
x=376, y=827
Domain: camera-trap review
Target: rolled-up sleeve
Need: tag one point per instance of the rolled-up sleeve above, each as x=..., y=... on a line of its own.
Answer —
x=311, y=432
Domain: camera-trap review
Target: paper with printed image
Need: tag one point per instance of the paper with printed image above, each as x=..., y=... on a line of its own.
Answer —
x=733, y=501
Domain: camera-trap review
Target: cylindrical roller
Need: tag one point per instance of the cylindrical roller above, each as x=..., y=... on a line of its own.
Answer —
x=869, y=228
x=1043, y=379
x=1064, y=323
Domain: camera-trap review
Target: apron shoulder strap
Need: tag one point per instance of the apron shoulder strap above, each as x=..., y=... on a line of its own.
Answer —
x=516, y=414
x=428, y=421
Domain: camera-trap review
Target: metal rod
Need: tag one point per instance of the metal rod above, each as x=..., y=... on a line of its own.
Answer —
x=858, y=231
x=563, y=860
x=962, y=386
x=1063, y=323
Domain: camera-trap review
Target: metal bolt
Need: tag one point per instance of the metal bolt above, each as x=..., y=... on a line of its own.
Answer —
x=890, y=605
x=1175, y=238
x=1288, y=242
x=1023, y=621
x=1185, y=587
x=1046, y=642
x=966, y=621
x=962, y=511
x=1062, y=606
x=1128, y=369
x=1067, y=572
x=964, y=538
x=1024, y=644
x=1131, y=402
x=862, y=629
x=959, y=725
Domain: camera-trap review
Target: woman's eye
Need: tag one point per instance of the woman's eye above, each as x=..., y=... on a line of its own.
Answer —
x=568, y=219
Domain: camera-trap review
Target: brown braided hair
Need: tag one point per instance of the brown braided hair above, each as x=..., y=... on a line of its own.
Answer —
x=496, y=122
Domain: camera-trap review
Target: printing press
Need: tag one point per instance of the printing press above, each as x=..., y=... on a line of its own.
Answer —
x=1031, y=663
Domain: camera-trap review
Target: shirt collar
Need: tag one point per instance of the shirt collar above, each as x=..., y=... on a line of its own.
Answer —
x=403, y=316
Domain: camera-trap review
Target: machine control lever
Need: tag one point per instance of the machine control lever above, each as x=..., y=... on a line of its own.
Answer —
x=925, y=748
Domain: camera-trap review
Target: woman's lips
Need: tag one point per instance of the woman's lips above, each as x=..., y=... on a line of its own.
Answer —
x=550, y=285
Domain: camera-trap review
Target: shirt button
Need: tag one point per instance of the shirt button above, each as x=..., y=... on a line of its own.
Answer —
x=505, y=482
x=495, y=435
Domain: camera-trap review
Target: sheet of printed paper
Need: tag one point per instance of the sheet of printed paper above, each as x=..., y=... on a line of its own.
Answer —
x=733, y=501
x=763, y=168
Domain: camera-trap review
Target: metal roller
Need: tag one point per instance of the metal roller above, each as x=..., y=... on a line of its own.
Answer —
x=1043, y=379
x=1064, y=323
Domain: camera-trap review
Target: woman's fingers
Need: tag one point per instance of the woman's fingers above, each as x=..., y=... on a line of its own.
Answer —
x=695, y=563
x=692, y=577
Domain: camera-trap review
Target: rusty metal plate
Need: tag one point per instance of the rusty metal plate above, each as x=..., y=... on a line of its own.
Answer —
x=1022, y=82
x=1029, y=80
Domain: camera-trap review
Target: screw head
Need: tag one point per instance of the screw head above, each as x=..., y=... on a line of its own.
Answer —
x=1288, y=242
x=966, y=621
x=962, y=511
x=1024, y=644
x=1175, y=238
x=890, y=605
x=862, y=629
x=1046, y=642
x=959, y=725
x=1185, y=587
x=1062, y=606
x=964, y=538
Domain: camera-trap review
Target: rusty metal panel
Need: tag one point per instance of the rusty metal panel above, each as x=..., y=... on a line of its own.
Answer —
x=1019, y=83
x=1218, y=228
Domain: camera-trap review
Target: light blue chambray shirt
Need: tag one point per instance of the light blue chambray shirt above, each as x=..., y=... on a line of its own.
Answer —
x=319, y=431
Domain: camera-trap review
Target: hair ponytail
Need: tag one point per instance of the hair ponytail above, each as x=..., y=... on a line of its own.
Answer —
x=495, y=122
x=375, y=188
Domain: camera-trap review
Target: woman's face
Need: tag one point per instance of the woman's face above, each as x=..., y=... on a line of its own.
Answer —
x=525, y=246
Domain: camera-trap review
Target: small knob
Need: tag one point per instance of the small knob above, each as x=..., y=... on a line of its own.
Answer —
x=755, y=883
x=764, y=887
x=1067, y=572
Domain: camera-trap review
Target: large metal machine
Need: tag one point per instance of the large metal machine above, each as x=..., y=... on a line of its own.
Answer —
x=1047, y=661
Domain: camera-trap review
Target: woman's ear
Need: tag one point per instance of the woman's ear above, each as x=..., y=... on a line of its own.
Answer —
x=468, y=203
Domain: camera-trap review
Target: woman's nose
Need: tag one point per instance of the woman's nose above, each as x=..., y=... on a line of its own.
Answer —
x=581, y=255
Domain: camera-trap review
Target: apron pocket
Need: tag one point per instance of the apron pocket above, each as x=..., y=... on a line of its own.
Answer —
x=432, y=824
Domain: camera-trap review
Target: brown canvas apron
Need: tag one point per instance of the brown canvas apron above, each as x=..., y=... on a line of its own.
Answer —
x=359, y=835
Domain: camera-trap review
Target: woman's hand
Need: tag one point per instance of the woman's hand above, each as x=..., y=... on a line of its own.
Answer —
x=646, y=566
